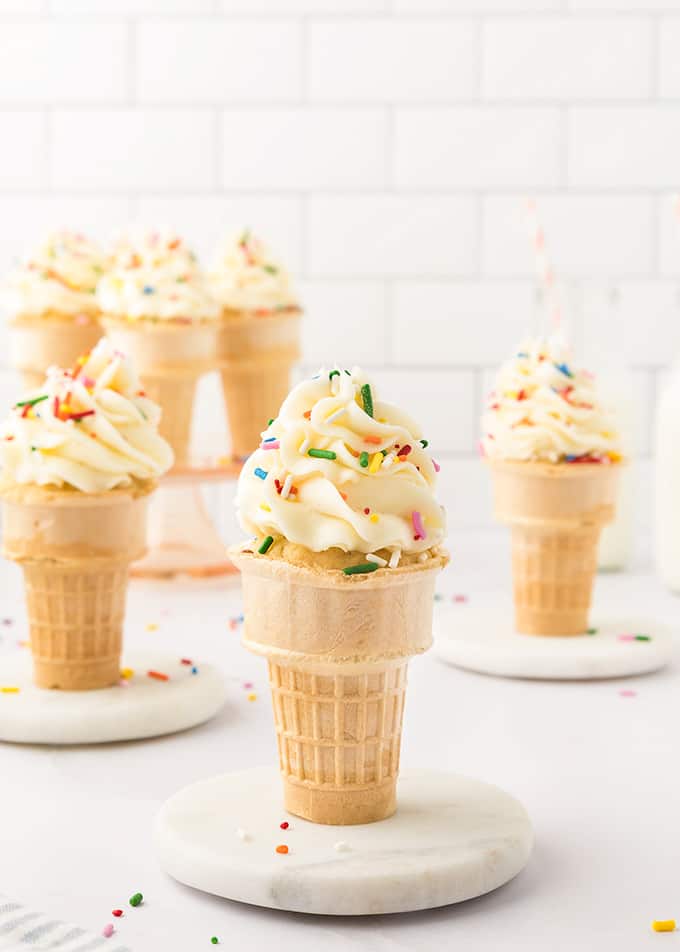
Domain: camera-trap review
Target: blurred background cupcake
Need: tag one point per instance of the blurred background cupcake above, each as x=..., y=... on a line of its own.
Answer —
x=51, y=303
x=156, y=307
x=259, y=335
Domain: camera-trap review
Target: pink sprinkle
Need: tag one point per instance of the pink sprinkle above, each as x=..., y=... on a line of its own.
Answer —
x=480, y=446
x=418, y=526
x=247, y=685
x=626, y=637
x=274, y=445
x=628, y=693
x=108, y=931
x=460, y=599
x=436, y=465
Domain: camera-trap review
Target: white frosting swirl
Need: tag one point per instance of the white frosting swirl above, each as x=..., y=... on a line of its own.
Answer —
x=325, y=503
x=91, y=429
x=245, y=277
x=60, y=276
x=544, y=409
x=154, y=275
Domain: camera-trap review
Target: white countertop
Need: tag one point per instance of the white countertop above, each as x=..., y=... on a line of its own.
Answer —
x=598, y=772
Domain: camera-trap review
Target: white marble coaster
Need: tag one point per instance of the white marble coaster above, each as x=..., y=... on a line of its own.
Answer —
x=451, y=839
x=143, y=707
x=485, y=640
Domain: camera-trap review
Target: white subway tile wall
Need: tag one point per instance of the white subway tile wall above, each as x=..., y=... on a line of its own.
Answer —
x=385, y=148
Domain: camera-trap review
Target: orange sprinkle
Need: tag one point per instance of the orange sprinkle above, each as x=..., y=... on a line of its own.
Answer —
x=158, y=675
x=282, y=848
x=375, y=440
x=307, y=414
x=344, y=496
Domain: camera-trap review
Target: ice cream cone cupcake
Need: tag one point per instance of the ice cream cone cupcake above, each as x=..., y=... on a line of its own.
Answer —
x=338, y=587
x=52, y=307
x=80, y=456
x=554, y=456
x=259, y=339
x=156, y=308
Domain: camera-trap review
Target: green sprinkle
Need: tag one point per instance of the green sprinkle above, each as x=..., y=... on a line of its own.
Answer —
x=136, y=900
x=333, y=373
x=361, y=568
x=215, y=940
x=322, y=454
x=591, y=631
x=270, y=269
x=266, y=545
x=642, y=638
x=32, y=403
x=367, y=399
x=363, y=459
x=424, y=444
x=269, y=422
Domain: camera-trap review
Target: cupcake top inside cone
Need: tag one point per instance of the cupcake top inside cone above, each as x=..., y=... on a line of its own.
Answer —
x=90, y=429
x=340, y=472
x=544, y=409
x=245, y=277
x=59, y=277
x=155, y=276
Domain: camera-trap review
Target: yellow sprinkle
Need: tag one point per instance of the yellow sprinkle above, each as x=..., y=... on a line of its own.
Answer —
x=66, y=408
x=223, y=460
x=615, y=457
x=24, y=644
x=152, y=626
x=9, y=690
x=126, y=673
x=664, y=925
x=512, y=394
x=252, y=697
x=374, y=465
x=263, y=505
x=374, y=517
x=81, y=361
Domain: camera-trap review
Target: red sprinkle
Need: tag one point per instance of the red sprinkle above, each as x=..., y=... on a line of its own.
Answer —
x=187, y=661
x=117, y=912
x=158, y=675
x=405, y=450
x=284, y=825
x=522, y=395
x=81, y=416
x=366, y=511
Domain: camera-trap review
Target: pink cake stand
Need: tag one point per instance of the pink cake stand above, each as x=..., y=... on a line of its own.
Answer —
x=182, y=538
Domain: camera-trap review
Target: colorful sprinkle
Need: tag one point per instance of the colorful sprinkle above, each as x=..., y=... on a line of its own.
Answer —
x=127, y=673
x=263, y=505
x=334, y=416
x=377, y=559
x=32, y=403
x=360, y=569
x=214, y=939
x=363, y=459
x=186, y=661
x=437, y=467
x=117, y=913
x=394, y=558
x=376, y=461
x=284, y=825
x=322, y=454
x=262, y=473
x=628, y=693
x=591, y=631
x=108, y=930
x=158, y=675
x=9, y=689
x=418, y=527
x=374, y=440
x=642, y=638
x=563, y=368
x=270, y=445
x=152, y=626
x=664, y=925
x=367, y=399
x=252, y=697
x=282, y=848
x=333, y=373
x=266, y=545
x=424, y=444
x=194, y=670
x=137, y=899
x=374, y=517
x=460, y=599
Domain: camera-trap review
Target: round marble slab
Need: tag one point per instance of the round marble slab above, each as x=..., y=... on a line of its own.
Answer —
x=485, y=640
x=141, y=706
x=451, y=839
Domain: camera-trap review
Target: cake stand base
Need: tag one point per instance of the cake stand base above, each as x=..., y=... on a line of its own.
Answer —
x=486, y=641
x=141, y=706
x=182, y=539
x=451, y=839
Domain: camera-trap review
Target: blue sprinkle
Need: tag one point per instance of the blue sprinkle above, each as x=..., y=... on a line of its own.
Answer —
x=522, y=353
x=148, y=289
x=570, y=459
x=564, y=369
x=260, y=472
x=270, y=439
x=194, y=670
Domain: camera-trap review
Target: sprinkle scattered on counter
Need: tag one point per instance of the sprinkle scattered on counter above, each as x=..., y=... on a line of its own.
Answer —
x=127, y=673
x=460, y=599
x=252, y=697
x=341, y=847
x=186, y=661
x=7, y=621
x=591, y=631
x=282, y=848
x=152, y=626
x=284, y=825
x=137, y=899
x=117, y=913
x=9, y=689
x=214, y=940
x=627, y=693
x=242, y=834
x=664, y=925
x=108, y=930
x=248, y=685
x=158, y=675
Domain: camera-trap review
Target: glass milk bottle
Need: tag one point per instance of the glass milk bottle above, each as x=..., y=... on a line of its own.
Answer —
x=615, y=387
x=667, y=483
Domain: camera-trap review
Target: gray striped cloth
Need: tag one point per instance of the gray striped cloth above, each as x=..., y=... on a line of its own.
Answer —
x=23, y=929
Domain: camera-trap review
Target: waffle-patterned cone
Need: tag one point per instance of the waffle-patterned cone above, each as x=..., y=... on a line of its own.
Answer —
x=174, y=393
x=76, y=623
x=38, y=343
x=253, y=392
x=74, y=550
x=338, y=649
x=556, y=513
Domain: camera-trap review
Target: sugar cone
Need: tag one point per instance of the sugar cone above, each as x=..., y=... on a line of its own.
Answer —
x=556, y=513
x=338, y=649
x=74, y=550
x=170, y=357
x=256, y=355
x=36, y=343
